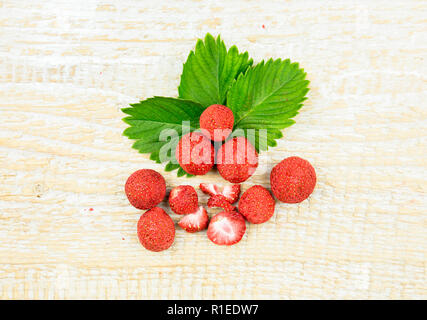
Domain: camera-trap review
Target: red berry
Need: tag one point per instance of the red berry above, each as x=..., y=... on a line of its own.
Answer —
x=230, y=192
x=183, y=200
x=156, y=230
x=145, y=189
x=210, y=188
x=292, y=180
x=237, y=160
x=217, y=122
x=220, y=201
x=226, y=228
x=196, y=221
x=195, y=153
x=257, y=204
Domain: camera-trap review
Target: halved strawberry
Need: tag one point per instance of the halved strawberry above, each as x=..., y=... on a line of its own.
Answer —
x=230, y=192
x=226, y=228
x=209, y=188
x=196, y=221
x=220, y=201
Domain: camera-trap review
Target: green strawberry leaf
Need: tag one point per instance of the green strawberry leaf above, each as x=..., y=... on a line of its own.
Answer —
x=210, y=70
x=149, y=118
x=263, y=98
x=267, y=96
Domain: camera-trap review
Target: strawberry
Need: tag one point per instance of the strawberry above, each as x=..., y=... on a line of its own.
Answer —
x=195, y=221
x=293, y=180
x=145, y=189
x=183, y=200
x=257, y=204
x=156, y=230
x=195, y=153
x=237, y=160
x=217, y=122
x=230, y=192
x=220, y=201
x=226, y=228
x=210, y=188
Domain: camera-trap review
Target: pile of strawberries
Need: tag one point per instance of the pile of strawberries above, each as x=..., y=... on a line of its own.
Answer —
x=292, y=181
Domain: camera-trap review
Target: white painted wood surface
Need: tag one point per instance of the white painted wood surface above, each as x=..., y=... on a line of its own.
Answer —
x=66, y=69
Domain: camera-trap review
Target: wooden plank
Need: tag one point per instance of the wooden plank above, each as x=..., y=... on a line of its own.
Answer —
x=66, y=69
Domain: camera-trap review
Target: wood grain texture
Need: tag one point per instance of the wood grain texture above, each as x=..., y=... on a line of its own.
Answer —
x=66, y=69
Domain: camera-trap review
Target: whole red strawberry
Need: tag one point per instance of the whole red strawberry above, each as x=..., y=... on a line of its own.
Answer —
x=195, y=153
x=217, y=122
x=257, y=204
x=145, y=189
x=183, y=200
x=237, y=160
x=292, y=180
x=195, y=221
x=156, y=230
x=226, y=228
